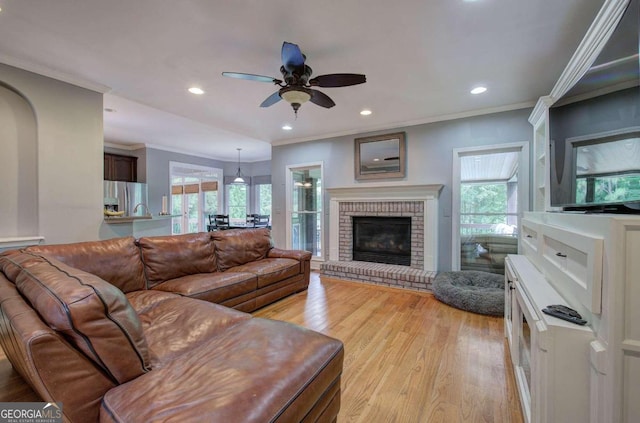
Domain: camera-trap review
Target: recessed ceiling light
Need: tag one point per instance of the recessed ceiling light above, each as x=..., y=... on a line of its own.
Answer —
x=478, y=90
x=365, y=112
x=376, y=159
x=196, y=90
x=287, y=127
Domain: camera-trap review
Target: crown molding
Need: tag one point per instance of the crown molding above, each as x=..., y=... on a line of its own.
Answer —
x=541, y=107
x=441, y=118
x=128, y=147
x=186, y=152
x=591, y=45
x=54, y=74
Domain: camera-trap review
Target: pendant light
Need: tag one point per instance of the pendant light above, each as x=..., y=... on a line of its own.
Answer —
x=239, y=179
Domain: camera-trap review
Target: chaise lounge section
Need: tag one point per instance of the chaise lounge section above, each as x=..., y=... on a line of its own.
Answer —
x=98, y=327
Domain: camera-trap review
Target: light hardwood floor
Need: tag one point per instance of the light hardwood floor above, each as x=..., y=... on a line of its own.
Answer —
x=408, y=357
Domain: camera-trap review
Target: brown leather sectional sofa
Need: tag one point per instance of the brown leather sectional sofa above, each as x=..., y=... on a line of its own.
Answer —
x=117, y=330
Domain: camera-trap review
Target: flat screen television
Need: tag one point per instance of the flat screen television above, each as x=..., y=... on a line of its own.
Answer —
x=594, y=130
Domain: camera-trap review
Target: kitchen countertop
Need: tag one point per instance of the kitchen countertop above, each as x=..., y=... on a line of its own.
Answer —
x=130, y=219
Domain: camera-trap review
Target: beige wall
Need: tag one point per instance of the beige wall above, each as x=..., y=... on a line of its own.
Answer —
x=18, y=166
x=69, y=145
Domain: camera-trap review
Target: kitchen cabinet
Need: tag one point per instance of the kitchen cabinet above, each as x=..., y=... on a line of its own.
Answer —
x=120, y=168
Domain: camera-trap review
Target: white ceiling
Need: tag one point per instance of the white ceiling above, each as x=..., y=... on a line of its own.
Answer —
x=421, y=58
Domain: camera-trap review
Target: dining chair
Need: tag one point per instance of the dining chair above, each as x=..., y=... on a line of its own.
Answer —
x=218, y=222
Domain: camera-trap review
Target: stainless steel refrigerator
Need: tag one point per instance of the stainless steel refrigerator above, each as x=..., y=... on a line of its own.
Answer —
x=130, y=197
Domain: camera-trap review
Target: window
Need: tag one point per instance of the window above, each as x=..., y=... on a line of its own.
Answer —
x=263, y=199
x=238, y=199
x=488, y=208
x=490, y=190
x=185, y=193
x=210, y=198
x=194, y=195
x=304, y=215
x=176, y=209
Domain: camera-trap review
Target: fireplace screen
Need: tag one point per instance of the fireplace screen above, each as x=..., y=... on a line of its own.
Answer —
x=382, y=239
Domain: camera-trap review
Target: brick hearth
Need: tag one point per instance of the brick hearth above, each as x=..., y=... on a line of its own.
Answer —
x=380, y=274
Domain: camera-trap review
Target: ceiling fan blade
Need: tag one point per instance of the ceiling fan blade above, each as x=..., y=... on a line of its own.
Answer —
x=337, y=80
x=321, y=99
x=251, y=77
x=292, y=57
x=272, y=99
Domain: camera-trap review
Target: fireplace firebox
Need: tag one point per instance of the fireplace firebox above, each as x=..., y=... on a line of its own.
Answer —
x=382, y=239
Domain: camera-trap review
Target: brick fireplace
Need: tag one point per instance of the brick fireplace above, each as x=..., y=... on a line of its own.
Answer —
x=419, y=202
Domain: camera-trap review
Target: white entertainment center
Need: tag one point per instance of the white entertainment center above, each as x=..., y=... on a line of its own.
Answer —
x=591, y=262
x=566, y=372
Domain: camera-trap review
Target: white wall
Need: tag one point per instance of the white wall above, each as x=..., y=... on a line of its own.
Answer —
x=69, y=137
x=429, y=161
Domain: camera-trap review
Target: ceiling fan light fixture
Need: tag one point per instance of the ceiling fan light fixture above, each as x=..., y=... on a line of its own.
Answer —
x=295, y=95
x=295, y=87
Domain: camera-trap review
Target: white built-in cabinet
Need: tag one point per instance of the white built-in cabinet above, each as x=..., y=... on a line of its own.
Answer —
x=541, y=174
x=566, y=372
x=548, y=354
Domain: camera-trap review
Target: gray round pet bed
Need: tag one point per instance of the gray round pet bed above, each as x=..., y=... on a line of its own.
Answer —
x=471, y=290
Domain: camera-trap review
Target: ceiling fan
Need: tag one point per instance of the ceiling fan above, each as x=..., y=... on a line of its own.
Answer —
x=296, y=87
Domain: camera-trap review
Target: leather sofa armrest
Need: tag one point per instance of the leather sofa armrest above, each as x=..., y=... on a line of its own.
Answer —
x=299, y=255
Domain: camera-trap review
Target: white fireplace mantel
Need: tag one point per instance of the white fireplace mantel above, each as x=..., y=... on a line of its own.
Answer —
x=428, y=194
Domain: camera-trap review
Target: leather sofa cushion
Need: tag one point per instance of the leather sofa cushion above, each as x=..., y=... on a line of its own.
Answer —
x=92, y=314
x=173, y=324
x=270, y=270
x=117, y=260
x=12, y=262
x=299, y=255
x=213, y=287
x=237, y=247
x=174, y=256
x=258, y=370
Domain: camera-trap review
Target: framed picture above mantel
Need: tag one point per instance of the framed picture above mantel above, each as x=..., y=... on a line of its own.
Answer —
x=380, y=157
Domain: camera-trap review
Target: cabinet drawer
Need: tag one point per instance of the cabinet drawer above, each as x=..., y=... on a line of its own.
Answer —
x=574, y=262
x=529, y=238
